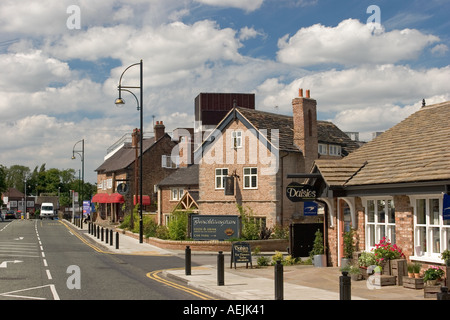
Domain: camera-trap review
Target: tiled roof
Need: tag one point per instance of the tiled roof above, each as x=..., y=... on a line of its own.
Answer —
x=124, y=157
x=327, y=132
x=182, y=177
x=415, y=150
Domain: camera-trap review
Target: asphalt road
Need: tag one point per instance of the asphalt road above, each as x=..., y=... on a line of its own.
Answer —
x=45, y=260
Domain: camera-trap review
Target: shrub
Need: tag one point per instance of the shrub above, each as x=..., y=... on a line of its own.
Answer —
x=177, y=226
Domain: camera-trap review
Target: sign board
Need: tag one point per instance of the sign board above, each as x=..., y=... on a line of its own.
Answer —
x=297, y=192
x=122, y=188
x=214, y=227
x=229, y=186
x=241, y=253
x=446, y=207
x=310, y=208
x=86, y=207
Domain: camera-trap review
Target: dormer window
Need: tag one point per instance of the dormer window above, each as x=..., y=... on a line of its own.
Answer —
x=323, y=148
x=334, y=150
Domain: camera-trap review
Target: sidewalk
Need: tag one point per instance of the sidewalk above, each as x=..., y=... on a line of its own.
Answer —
x=300, y=282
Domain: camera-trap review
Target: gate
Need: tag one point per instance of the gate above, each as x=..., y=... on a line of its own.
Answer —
x=301, y=238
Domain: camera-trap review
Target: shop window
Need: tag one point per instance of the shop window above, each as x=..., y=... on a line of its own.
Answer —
x=431, y=232
x=380, y=221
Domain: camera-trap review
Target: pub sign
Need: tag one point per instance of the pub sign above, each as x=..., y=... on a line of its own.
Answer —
x=297, y=192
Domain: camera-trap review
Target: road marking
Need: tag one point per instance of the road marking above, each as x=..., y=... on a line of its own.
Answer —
x=154, y=275
x=49, y=276
x=12, y=295
x=4, y=264
x=45, y=262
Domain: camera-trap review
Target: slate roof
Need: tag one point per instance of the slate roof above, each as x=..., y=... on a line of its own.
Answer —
x=184, y=176
x=327, y=131
x=415, y=150
x=124, y=157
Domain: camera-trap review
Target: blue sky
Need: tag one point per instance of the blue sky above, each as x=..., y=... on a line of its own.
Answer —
x=58, y=84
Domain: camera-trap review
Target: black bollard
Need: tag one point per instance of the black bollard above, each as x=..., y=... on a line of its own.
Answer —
x=443, y=295
x=111, y=237
x=89, y=228
x=94, y=229
x=220, y=269
x=106, y=235
x=98, y=232
x=117, y=240
x=102, y=234
x=345, y=286
x=279, y=294
x=187, y=261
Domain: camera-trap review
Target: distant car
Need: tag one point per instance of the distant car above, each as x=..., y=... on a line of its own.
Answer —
x=10, y=214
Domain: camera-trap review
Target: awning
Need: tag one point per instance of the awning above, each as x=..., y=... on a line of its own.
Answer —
x=116, y=198
x=100, y=198
x=145, y=200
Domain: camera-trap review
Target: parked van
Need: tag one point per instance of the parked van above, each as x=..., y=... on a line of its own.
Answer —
x=47, y=210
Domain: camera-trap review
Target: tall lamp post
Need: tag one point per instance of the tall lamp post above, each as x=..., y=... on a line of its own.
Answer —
x=81, y=154
x=140, y=104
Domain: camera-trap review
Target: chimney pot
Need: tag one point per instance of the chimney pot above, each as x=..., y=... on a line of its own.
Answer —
x=300, y=93
x=308, y=92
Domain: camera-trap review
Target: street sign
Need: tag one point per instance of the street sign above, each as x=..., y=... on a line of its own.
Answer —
x=241, y=253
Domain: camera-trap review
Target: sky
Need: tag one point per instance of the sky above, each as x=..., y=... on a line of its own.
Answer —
x=368, y=64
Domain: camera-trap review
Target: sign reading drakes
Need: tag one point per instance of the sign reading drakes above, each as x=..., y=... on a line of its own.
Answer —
x=297, y=192
x=214, y=227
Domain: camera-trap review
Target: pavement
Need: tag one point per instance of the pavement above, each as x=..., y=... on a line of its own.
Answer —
x=300, y=282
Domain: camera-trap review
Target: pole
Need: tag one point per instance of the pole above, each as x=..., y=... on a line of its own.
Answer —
x=187, y=261
x=345, y=286
x=141, y=151
x=220, y=269
x=279, y=295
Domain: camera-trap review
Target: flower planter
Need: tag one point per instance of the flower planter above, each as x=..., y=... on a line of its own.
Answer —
x=320, y=260
x=413, y=283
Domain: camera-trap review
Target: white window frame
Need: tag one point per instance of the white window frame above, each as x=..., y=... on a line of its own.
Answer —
x=430, y=253
x=323, y=149
x=221, y=175
x=249, y=176
x=334, y=150
x=167, y=162
x=236, y=139
x=377, y=229
x=176, y=194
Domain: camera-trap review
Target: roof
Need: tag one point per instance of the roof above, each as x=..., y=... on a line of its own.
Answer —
x=124, y=157
x=185, y=176
x=260, y=120
x=414, y=150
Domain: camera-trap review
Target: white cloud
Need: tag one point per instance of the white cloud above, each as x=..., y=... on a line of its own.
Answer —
x=351, y=43
x=247, y=5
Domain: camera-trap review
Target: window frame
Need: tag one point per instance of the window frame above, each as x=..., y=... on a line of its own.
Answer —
x=222, y=176
x=250, y=176
x=378, y=228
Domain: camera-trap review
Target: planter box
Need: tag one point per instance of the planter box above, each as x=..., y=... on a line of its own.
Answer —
x=431, y=291
x=413, y=283
x=384, y=280
x=399, y=269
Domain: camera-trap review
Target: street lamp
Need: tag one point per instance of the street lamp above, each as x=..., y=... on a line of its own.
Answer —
x=81, y=154
x=140, y=104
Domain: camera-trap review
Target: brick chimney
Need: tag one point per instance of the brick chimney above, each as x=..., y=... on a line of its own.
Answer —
x=305, y=127
x=159, y=130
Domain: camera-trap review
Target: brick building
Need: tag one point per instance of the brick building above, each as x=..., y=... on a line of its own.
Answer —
x=119, y=167
x=245, y=160
x=392, y=187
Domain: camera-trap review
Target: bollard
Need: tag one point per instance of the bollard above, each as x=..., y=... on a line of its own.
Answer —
x=98, y=232
x=117, y=240
x=106, y=235
x=111, y=237
x=102, y=234
x=443, y=295
x=187, y=261
x=93, y=230
x=345, y=286
x=89, y=228
x=220, y=269
x=279, y=295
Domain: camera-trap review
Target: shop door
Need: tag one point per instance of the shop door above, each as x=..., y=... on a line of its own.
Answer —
x=345, y=224
x=301, y=238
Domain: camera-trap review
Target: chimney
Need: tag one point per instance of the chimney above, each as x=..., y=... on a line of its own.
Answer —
x=305, y=127
x=159, y=130
x=135, y=138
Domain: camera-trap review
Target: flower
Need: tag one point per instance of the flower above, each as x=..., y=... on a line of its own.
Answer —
x=433, y=273
x=385, y=250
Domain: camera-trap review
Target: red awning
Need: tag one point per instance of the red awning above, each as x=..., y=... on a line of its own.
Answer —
x=116, y=198
x=145, y=200
x=100, y=198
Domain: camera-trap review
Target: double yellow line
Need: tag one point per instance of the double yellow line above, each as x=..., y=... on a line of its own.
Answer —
x=154, y=275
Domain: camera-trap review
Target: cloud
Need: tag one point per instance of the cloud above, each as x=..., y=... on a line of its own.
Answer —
x=247, y=5
x=351, y=43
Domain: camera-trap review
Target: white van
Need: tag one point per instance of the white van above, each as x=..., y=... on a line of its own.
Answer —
x=47, y=210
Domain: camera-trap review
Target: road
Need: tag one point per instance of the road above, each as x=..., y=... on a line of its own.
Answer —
x=45, y=260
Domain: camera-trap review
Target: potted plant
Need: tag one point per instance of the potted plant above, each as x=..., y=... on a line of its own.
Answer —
x=317, y=254
x=416, y=269
x=384, y=252
x=410, y=267
x=445, y=255
x=349, y=248
x=365, y=260
x=432, y=275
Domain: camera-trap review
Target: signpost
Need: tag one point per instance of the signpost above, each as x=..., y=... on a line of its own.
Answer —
x=297, y=192
x=241, y=253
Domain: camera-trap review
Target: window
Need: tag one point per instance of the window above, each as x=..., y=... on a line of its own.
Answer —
x=250, y=178
x=335, y=150
x=380, y=221
x=323, y=148
x=169, y=162
x=236, y=138
x=221, y=173
x=431, y=231
x=176, y=194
